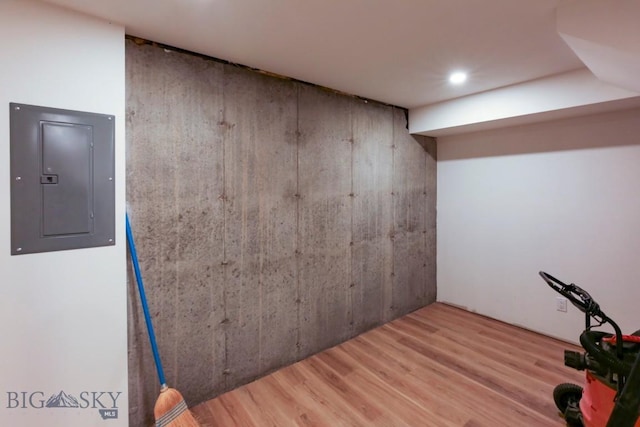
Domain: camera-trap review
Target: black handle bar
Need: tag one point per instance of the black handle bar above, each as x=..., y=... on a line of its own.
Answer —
x=585, y=303
x=574, y=293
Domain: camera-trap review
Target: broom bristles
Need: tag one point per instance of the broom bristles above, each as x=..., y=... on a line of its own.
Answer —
x=171, y=410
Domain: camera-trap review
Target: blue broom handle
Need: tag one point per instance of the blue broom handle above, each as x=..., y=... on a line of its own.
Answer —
x=145, y=307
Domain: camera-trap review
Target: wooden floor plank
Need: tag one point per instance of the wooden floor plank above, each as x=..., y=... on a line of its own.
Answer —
x=438, y=366
x=467, y=392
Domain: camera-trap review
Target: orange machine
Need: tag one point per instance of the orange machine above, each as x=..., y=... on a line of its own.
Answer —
x=611, y=361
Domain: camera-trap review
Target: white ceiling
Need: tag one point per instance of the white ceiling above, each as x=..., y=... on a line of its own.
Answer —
x=395, y=51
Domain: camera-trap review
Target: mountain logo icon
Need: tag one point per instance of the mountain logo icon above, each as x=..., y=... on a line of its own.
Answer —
x=62, y=400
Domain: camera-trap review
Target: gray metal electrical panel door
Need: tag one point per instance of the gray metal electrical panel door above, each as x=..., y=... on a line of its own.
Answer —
x=62, y=179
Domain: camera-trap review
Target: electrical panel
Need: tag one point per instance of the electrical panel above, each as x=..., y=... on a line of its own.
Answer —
x=62, y=179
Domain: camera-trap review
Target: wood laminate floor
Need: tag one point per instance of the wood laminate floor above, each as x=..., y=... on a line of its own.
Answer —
x=439, y=366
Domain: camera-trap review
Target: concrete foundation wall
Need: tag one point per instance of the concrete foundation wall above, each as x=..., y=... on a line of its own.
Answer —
x=273, y=220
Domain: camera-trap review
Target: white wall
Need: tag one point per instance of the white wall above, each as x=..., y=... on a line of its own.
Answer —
x=62, y=314
x=561, y=196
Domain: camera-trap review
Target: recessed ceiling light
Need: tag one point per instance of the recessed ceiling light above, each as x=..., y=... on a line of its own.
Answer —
x=458, y=77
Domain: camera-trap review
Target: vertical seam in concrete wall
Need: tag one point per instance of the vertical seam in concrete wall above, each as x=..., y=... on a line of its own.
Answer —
x=297, y=197
x=426, y=223
x=389, y=309
x=224, y=236
x=176, y=284
x=434, y=197
x=260, y=285
x=351, y=201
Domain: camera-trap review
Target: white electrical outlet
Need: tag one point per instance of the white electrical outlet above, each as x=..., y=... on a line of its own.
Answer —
x=561, y=304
